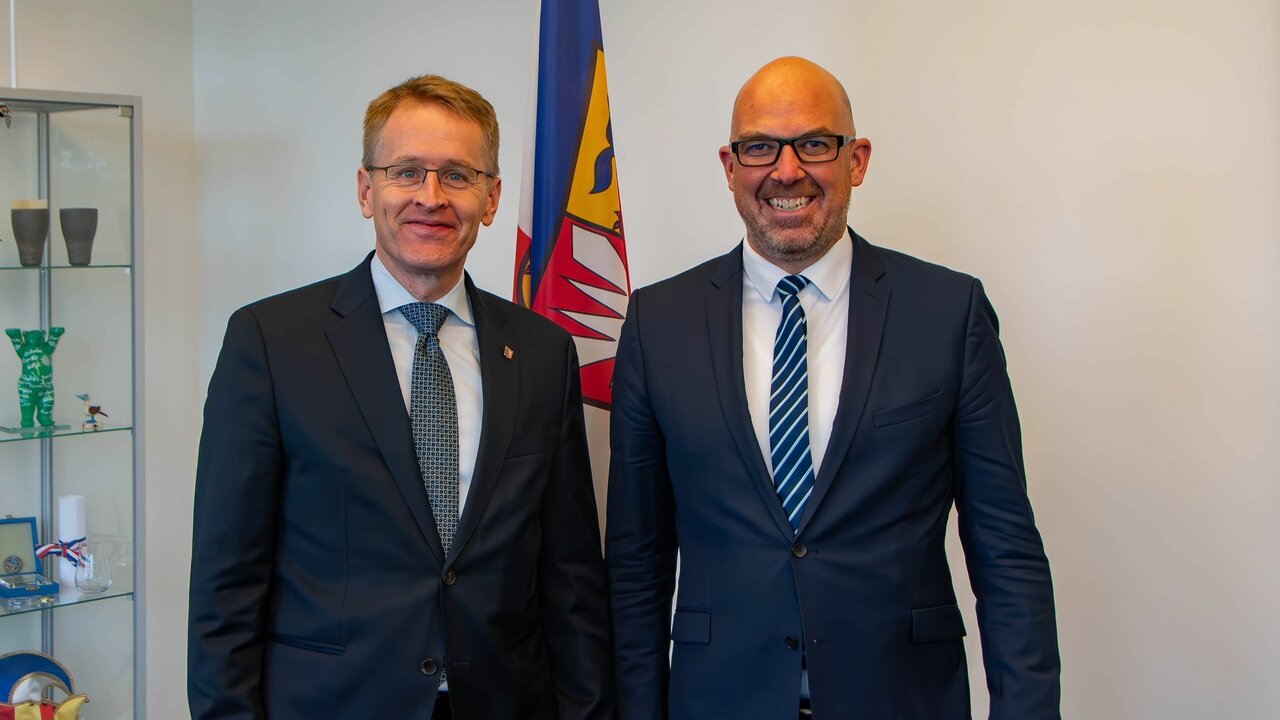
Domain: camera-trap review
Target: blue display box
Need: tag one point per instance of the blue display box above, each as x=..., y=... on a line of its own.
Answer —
x=22, y=580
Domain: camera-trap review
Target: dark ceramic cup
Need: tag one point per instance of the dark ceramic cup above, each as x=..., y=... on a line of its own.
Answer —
x=30, y=230
x=78, y=228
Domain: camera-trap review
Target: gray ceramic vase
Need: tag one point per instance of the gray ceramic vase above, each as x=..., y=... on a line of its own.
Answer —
x=30, y=230
x=78, y=228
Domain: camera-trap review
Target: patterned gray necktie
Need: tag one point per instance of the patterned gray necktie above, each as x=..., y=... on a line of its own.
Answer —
x=433, y=415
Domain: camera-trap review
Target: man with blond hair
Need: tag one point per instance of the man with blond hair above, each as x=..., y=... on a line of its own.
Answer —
x=797, y=419
x=394, y=511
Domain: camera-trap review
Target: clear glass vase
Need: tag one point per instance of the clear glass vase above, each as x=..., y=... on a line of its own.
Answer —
x=93, y=574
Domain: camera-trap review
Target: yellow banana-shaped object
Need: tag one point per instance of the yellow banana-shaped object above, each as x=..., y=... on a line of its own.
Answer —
x=26, y=711
x=70, y=708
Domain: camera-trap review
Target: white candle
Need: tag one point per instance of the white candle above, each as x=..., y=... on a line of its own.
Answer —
x=71, y=526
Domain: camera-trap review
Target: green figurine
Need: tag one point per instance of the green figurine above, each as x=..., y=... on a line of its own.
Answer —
x=35, y=384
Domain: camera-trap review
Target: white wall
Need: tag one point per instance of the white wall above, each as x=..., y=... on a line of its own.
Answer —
x=1109, y=172
x=143, y=47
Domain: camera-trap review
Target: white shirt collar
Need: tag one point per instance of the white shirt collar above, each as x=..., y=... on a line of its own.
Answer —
x=829, y=274
x=391, y=294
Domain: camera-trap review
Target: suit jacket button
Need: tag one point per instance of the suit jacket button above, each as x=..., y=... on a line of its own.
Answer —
x=450, y=578
x=429, y=667
x=799, y=550
x=792, y=643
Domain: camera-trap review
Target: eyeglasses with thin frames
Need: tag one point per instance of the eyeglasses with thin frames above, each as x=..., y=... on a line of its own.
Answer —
x=411, y=177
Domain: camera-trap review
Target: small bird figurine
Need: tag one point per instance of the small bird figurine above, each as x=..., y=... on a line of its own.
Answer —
x=91, y=412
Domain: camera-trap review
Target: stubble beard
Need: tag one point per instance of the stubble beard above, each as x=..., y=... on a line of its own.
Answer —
x=803, y=244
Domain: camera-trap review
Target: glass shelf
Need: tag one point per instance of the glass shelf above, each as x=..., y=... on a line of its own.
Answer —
x=70, y=429
x=94, y=266
x=64, y=599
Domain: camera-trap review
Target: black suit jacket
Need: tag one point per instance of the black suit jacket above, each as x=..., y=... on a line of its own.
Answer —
x=318, y=584
x=862, y=592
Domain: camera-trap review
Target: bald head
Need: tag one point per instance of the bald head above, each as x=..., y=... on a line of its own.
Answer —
x=785, y=83
x=795, y=206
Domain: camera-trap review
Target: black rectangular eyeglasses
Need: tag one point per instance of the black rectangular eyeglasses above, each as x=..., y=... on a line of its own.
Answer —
x=808, y=148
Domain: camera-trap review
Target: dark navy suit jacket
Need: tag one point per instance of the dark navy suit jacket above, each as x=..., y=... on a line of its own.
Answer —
x=861, y=595
x=318, y=585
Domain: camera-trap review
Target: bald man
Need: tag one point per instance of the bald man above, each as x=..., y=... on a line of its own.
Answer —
x=796, y=419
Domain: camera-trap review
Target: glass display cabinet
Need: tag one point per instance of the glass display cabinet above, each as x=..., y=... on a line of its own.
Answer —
x=69, y=249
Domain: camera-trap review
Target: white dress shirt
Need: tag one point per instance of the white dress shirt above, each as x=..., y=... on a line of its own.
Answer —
x=826, y=308
x=461, y=348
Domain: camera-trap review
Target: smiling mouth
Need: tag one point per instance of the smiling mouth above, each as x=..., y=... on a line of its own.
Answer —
x=422, y=222
x=788, y=204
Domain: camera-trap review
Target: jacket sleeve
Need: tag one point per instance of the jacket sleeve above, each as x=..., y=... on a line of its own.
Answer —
x=1007, y=566
x=640, y=535
x=238, y=478
x=572, y=581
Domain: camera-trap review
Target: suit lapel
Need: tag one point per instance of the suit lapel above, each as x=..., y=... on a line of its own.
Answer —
x=724, y=331
x=868, y=304
x=500, y=380
x=359, y=342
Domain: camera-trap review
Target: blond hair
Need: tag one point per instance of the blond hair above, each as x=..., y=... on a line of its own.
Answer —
x=456, y=97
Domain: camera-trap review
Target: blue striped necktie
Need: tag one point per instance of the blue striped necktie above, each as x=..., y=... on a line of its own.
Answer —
x=433, y=415
x=789, y=404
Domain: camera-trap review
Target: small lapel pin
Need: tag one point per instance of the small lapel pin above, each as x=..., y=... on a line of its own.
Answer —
x=507, y=352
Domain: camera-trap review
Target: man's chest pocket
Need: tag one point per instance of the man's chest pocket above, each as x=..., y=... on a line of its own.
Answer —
x=925, y=406
x=522, y=445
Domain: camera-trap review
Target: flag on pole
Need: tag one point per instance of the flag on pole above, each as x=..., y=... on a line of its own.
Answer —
x=571, y=258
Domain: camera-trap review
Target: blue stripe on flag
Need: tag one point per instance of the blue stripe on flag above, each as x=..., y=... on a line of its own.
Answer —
x=568, y=41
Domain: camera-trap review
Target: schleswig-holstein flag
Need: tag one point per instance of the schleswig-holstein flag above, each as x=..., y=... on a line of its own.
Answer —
x=571, y=260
